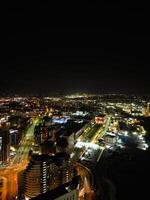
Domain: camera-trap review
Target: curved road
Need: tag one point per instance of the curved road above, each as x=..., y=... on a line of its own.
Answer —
x=85, y=182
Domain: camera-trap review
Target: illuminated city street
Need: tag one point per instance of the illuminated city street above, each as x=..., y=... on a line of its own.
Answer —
x=83, y=138
x=85, y=182
x=88, y=140
x=21, y=159
x=18, y=164
x=26, y=144
x=90, y=136
x=74, y=100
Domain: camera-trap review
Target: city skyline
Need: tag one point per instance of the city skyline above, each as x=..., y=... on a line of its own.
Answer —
x=74, y=100
x=48, y=144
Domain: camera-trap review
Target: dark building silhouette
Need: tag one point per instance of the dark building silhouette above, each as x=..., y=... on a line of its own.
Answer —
x=4, y=145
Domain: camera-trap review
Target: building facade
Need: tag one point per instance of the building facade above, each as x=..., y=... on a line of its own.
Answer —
x=35, y=176
x=46, y=172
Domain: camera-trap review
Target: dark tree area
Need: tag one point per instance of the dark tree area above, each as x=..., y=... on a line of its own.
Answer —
x=123, y=175
x=145, y=121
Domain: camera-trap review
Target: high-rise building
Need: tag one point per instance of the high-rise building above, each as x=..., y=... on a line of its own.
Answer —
x=36, y=176
x=67, y=191
x=63, y=170
x=46, y=172
x=14, y=137
x=148, y=109
x=4, y=145
x=43, y=133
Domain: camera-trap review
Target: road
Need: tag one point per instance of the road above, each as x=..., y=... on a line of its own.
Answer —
x=85, y=182
x=91, y=133
x=3, y=184
x=89, y=138
x=23, y=150
x=85, y=128
x=18, y=164
x=102, y=131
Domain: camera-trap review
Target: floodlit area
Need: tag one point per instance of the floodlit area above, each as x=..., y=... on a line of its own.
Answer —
x=87, y=145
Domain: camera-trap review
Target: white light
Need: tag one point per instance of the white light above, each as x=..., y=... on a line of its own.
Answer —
x=108, y=146
x=126, y=133
x=140, y=136
x=134, y=133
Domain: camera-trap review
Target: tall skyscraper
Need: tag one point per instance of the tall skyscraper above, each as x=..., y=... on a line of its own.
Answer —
x=148, y=109
x=67, y=191
x=36, y=173
x=4, y=145
x=46, y=172
x=62, y=171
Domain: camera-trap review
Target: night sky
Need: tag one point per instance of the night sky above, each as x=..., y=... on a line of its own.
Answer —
x=94, y=48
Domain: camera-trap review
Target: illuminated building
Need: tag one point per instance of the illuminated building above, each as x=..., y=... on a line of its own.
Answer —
x=67, y=191
x=14, y=137
x=110, y=138
x=43, y=133
x=60, y=119
x=4, y=145
x=61, y=170
x=46, y=172
x=36, y=173
x=35, y=149
x=79, y=113
x=100, y=119
x=148, y=109
x=62, y=161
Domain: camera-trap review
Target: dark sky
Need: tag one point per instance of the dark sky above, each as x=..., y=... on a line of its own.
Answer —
x=88, y=47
